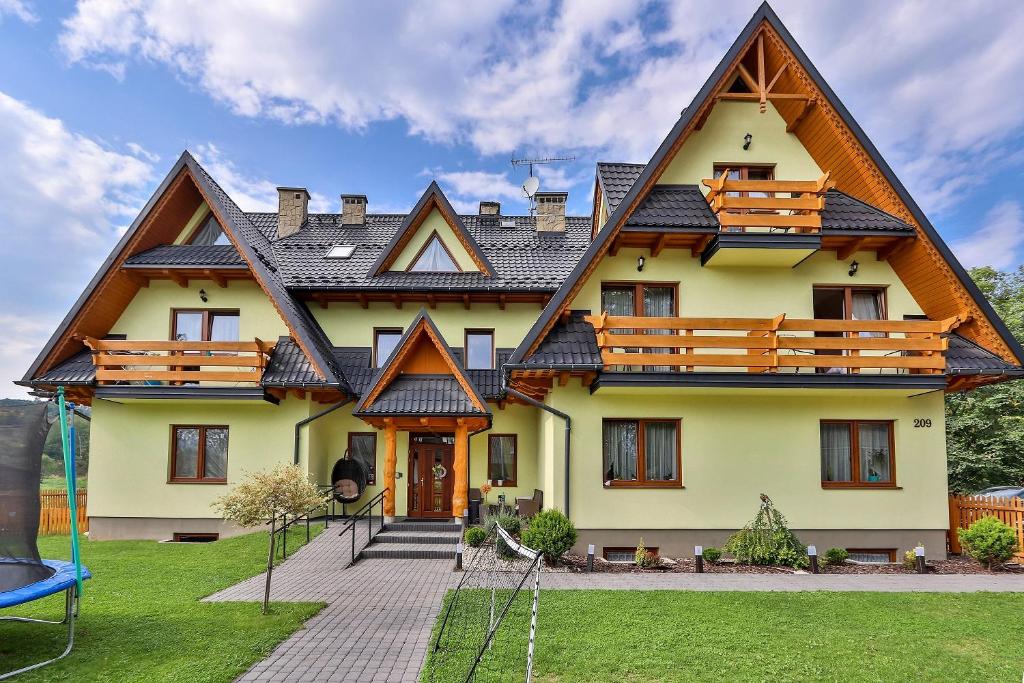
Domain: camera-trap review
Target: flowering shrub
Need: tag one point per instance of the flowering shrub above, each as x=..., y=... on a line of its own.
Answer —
x=283, y=489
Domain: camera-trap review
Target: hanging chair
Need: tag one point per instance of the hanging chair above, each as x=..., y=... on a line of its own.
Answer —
x=349, y=480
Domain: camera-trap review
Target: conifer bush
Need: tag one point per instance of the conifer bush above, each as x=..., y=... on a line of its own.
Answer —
x=767, y=540
x=989, y=540
x=550, y=532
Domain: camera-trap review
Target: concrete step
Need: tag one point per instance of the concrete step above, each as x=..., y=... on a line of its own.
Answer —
x=405, y=526
x=408, y=551
x=418, y=537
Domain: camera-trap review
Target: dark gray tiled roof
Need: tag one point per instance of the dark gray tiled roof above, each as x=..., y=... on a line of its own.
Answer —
x=423, y=395
x=616, y=179
x=843, y=212
x=188, y=256
x=523, y=259
x=674, y=206
x=570, y=343
x=75, y=370
x=289, y=367
x=965, y=357
x=355, y=364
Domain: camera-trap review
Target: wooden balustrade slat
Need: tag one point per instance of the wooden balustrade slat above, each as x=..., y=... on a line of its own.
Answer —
x=726, y=360
x=104, y=360
x=161, y=345
x=731, y=185
x=829, y=361
x=104, y=375
x=802, y=203
x=768, y=220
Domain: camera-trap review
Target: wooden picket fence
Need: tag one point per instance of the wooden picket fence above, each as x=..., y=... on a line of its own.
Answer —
x=55, y=515
x=966, y=510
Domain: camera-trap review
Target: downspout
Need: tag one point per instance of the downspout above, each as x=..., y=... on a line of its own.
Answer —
x=568, y=427
x=305, y=421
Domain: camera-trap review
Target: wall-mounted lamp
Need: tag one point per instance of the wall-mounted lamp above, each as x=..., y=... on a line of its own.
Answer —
x=747, y=139
x=202, y=295
x=640, y=263
x=853, y=268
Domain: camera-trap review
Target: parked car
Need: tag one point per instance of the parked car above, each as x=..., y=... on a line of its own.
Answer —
x=1002, y=492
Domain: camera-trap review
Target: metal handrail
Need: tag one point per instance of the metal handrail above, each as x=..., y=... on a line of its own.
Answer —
x=365, y=511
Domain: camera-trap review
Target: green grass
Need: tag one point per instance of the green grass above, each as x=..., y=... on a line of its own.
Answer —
x=55, y=482
x=141, y=619
x=691, y=636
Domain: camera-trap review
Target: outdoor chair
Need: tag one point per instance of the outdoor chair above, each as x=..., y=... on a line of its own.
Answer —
x=475, y=498
x=528, y=507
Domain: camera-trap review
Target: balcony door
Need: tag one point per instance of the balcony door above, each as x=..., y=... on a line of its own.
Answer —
x=847, y=303
x=644, y=299
x=202, y=325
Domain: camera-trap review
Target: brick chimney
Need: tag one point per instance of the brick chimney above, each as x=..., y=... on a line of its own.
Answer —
x=353, y=209
x=551, y=211
x=490, y=208
x=292, y=210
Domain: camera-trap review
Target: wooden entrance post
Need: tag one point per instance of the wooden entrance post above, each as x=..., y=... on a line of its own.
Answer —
x=390, y=462
x=461, y=466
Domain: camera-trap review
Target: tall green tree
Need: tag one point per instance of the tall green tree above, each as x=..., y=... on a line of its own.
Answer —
x=985, y=427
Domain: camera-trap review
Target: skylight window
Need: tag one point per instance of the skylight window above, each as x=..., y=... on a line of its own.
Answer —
x=341, y=251
x=434, y=259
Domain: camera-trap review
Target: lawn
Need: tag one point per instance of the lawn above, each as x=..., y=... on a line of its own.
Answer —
x=54, y=482
x=692, y=636
x=141, y=619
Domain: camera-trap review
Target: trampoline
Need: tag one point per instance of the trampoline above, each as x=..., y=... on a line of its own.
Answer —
x=24, y=575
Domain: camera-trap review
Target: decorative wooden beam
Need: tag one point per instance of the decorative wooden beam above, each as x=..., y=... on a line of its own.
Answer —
x=501, y=301
x=698, y=248
x=299, y=394
x=364, y=303
x=761, y=89
x=431, y=301
x=587, y=379
x=775, y=78
x=747, y=78
x=846, y=251
x=217, y=278
x=613, y=250
x=136, y=278
x=390, y=463
x=806, y=109
x=563, y=379
x=465, y=301
x=898, y=245
x=177, y=277
x=461, y=466
x=396, y=299
x=659, y=245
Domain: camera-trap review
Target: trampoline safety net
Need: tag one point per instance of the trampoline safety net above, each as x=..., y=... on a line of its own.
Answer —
x=22, y=436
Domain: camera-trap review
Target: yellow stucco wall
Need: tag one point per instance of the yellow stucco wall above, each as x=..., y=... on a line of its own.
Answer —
x=435, y=222
x=720, y=141
x=738, y=444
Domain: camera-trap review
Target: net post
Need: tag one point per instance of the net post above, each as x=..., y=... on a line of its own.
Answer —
x=69, y=471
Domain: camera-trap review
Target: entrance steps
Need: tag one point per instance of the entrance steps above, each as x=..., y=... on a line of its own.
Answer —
x=415, y=540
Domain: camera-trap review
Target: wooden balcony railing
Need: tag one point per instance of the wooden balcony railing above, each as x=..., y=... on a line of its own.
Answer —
x=120, y=361
x=759, y=205
x=772, y=344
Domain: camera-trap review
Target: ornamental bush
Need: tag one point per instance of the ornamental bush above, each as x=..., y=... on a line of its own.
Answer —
x=550, y=532
x=644, y=559
x=989, y=541
x=475, y=536
x=836, y=555
x=281, y=490
x=767, y=540
x=712, y=554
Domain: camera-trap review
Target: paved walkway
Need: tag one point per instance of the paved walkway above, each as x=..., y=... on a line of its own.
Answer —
x=376, y=626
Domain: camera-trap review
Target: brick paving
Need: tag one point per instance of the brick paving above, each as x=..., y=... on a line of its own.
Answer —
x=376, y=626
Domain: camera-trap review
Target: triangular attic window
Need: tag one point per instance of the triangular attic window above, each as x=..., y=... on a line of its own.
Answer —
x=210, y=233
x=434, y=258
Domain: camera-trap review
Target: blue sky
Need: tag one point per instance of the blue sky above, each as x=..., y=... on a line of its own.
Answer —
x=98, y=98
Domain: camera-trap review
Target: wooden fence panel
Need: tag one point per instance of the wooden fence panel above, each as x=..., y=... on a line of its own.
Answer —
x=966, y=510
x=55, y=514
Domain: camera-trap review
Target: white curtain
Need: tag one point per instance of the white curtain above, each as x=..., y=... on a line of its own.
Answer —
x=210, y=233
x=188, y=326
x=835, y=452
x=874, y=452
x=620, y=301
x=434, y=259
x=867, y=306
x=215, y=464
x=660, y=451
x=502, y=458
x=659, y=302
x=620, y=451
x=223, y=327
x=186, y=452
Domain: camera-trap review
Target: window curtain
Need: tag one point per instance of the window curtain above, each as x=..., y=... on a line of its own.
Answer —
x=867, y=306
x=835, y=452
x=186, y=453
x=434, y=259
x=620, y=301
x=210, y=233
x=215, y=464
x=502, y=457
x=660, y=451
x=223, y=327
x=874, y=452
x=364, y=450
x=620, y=450
x=659, y=302
x=188, y=326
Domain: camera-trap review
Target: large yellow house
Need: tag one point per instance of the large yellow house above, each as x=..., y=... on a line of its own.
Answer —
x=759, y=308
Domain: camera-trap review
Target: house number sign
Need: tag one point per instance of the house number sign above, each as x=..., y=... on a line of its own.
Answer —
x=923, y=422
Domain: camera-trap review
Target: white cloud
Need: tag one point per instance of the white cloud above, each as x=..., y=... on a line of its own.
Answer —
x=251, y=194
x=998, y=241
x=65, y=202
x=17, y=9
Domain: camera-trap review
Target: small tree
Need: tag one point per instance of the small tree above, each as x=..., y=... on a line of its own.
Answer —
x=281, y=490
x=767, y=540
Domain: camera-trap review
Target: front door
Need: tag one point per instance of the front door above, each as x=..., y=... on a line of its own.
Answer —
x=430, y=475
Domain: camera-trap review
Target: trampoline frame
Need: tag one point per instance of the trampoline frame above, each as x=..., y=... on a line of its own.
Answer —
x=70, y=614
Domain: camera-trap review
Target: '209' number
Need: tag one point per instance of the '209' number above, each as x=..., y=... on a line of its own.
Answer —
x=923, y=422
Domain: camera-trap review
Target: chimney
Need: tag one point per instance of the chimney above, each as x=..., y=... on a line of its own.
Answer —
x=292, y=210
x=490, y=208
x=353, y=209
x=551, y=211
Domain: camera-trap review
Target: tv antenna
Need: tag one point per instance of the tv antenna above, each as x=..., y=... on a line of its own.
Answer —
x=532, y=182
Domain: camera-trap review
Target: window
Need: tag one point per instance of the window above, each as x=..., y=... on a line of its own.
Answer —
x=641, y=453
x=199, y=454
x=362, y=447
x=204, y=325
x=479, y=349
x=624, y=555
x=850, y=303
x=857, y=453
x=188, y=537
x=384, y=342
x=341, y=251
x=434, y=257
x=648, y=299
x=209, y=233
x=501, y=459
x=873, y=555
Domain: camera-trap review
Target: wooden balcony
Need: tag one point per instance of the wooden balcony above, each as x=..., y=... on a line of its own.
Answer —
x=772, y=345
x=768, y=205
x=120, y=361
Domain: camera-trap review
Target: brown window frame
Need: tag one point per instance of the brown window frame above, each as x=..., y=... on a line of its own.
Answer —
x=465, y=347
x=891, y=552
x=848, y=290
x=641, y=463
x=744, y=170
x=415, y=259
x=638, y=293
x=515, y=460
x=207, y=319
x=200, y=459
x=855, y=482
x=182, y=536
x=374, y=361
x=623, y=549
x=371, y=477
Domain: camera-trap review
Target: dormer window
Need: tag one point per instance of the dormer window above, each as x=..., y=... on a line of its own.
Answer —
x=434, y=258
x=209, y=233
x=341, y=251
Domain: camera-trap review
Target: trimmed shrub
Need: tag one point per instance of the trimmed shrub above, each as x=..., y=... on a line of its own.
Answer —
x=550, y=532
x=643, y=558
x=280, y=490
x=712, y=554
x=989, y=540
x=767, y=540
x=836, y=555
x=475, y=536
x=909, y=559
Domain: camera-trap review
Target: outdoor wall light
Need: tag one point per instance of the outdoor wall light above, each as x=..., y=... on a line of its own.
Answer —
x=202, y=295
x=640, y=263
x=853, y=268
x=747, y=139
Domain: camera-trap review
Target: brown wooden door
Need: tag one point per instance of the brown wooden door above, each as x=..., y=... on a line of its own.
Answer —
x=430, y=493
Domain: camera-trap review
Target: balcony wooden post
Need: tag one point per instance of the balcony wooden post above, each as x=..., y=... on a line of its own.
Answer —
x=390, y=462
x=460, y=489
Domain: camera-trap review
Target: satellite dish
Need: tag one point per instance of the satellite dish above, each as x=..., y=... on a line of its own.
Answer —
x=531, y=185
